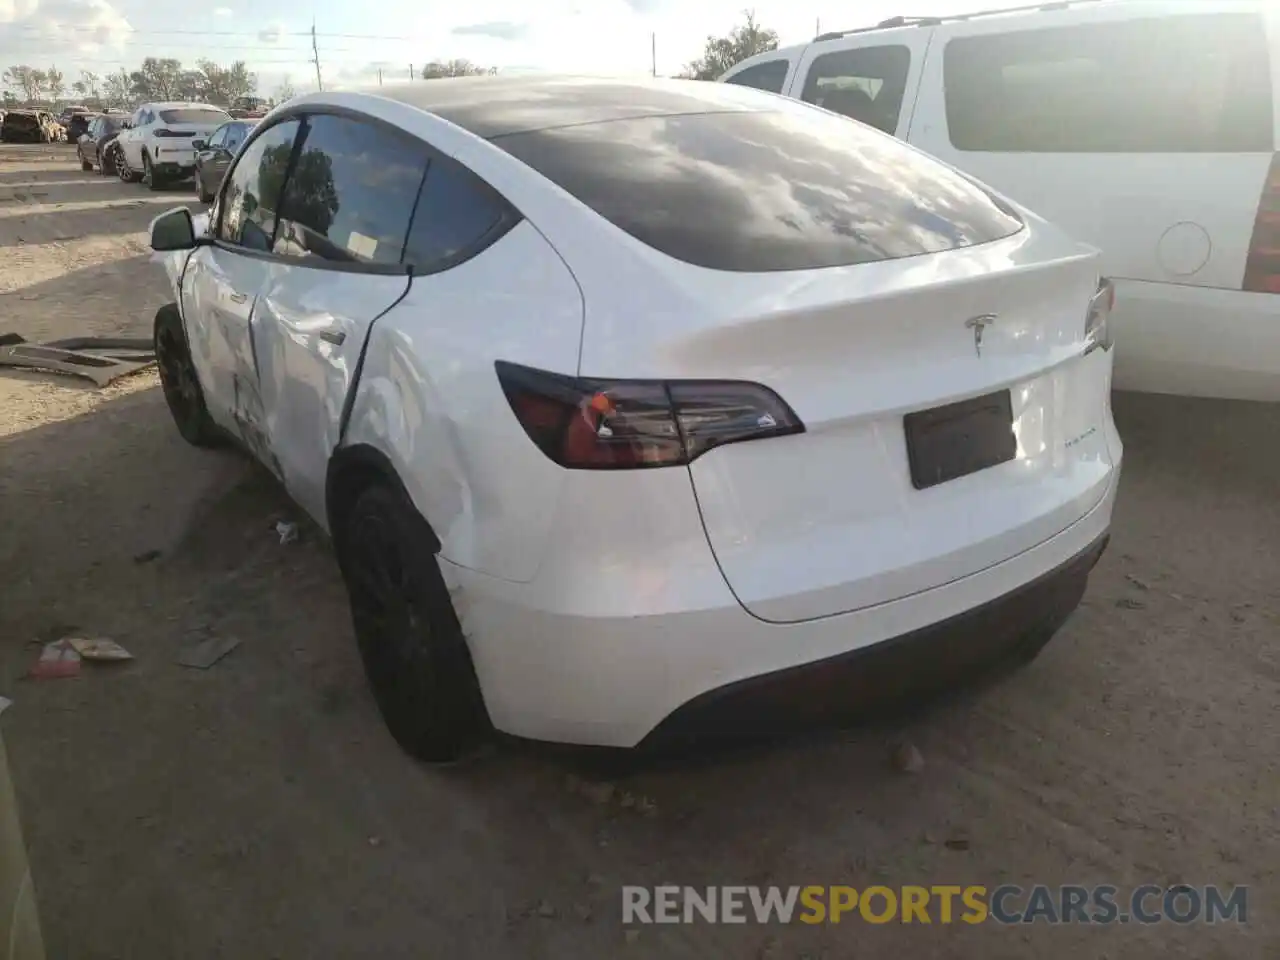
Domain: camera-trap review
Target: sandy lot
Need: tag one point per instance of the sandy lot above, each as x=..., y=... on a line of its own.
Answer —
x=259, y=810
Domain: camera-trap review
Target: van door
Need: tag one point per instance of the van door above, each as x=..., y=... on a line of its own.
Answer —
x=872, y=77
x=1149, y=137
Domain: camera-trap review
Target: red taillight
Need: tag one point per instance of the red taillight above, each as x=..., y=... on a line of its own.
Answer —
x=1262, y=268
x=586, y=424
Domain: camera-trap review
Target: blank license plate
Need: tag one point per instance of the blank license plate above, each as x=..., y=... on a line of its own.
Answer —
x=959, y=439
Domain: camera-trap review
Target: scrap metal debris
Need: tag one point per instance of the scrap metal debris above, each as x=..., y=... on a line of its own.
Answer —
x=100, y=359
x=57, y=660
x=204, y=653
x=99, y=648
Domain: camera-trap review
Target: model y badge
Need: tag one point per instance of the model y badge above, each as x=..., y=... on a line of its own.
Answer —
x=977, y=325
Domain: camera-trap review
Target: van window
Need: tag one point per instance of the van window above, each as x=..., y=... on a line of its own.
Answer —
x=791, y=188
x=1183, y=84
x=768, y=76
x=866, y=84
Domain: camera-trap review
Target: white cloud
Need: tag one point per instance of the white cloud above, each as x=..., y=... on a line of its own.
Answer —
x=39, y=31
x=223, y=12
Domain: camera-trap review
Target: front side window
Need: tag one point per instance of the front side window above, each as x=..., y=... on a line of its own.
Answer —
x=792, y=188
x=351, y=193
x=217, y=138
x=456, y=212
x=235, y=135
x=866, y=84
x=768, y=76
x=251, y=194
x=1178, y=84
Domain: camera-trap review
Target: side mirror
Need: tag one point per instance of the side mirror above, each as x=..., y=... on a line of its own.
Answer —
x=173, y=230
x=197, y=144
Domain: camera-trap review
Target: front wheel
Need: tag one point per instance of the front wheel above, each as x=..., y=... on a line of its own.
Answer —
x=204, y=195
x=179, y=381
x=123, y=170
x=415, y=655
x=150, y=178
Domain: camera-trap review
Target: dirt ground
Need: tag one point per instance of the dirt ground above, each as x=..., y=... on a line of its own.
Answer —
x=258, y=809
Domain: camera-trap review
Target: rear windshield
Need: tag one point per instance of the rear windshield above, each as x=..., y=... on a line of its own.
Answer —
x=193, y=115
x=21, y=120
x=794, y=189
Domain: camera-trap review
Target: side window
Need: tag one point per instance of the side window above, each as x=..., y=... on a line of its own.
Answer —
x=233, y=137
x=865, y=84
x=351, y=193
x=251, y=193
x=456, y=211
x=1178, y=84
x=94, y=126
x=763, y=76
x=218, y=137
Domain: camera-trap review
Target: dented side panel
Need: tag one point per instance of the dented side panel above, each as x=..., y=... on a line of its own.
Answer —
x=429, y=399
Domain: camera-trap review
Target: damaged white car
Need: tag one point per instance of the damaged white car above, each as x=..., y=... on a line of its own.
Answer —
x=633, y=406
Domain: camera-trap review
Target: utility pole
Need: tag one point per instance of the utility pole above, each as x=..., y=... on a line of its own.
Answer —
x=411, y=71
x=379, y=76
x=817, y=27
x=653, y=52
x=315, y=55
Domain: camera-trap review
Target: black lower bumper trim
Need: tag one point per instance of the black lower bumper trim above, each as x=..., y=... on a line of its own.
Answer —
x=850, y=685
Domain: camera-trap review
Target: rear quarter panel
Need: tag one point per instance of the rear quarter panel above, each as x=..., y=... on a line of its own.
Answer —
x=429, y=399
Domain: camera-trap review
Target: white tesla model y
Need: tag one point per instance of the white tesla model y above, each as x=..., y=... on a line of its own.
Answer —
x=639, y=410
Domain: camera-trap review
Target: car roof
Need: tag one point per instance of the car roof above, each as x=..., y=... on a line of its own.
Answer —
x=494, y=106
x=178, y=104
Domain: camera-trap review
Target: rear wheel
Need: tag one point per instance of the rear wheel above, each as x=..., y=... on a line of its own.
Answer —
x=150, y=178
x=85, y=165
x=179, y=381
x=414, y=652
x=123, y=170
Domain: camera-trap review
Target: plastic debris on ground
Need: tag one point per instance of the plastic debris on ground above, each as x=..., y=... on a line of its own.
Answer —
x=57, y=660
x=288, y=532
x=5, y=704
x=203, y=654
x=99, y=648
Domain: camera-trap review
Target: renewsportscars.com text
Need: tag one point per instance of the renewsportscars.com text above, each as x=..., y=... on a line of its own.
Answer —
x=939, y=903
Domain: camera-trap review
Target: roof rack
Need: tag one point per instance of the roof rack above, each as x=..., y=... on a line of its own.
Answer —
x=893, y=22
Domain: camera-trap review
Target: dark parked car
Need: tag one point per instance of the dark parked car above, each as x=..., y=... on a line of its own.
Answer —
x=28, y=126
x=215, y=155
x=91, y=146
x=77, y=123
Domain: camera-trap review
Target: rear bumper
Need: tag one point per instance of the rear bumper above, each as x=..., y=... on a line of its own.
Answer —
x=641, y=647
x=916, y=664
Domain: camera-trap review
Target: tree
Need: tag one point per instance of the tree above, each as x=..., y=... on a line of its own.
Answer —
x=721, y=53
x=27, y=79
x=285, y=91
x=90, y=82
x=56, y=83
x=454, y=68
x=157, y=79
x=225, y=84
x=118, y=88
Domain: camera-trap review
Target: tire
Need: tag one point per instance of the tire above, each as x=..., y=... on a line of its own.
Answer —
x=415, y=656
x=204, y=196
x=180, y=383
x=105, y=164
x=149, y=176
x=125, y=174
x=85, y=165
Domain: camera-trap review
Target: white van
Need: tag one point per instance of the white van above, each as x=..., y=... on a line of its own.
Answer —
x=1145, y=127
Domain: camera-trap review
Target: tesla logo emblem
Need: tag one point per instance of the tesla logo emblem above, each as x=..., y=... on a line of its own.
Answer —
x=978, y=324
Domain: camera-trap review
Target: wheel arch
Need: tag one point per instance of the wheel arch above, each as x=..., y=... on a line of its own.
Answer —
x=351, y=470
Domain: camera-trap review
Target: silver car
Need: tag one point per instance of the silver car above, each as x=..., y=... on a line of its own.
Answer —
x=20, y=937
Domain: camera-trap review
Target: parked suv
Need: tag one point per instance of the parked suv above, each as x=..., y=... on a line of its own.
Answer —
x=1145, y=127
x=28, y=126
x=642, y=409
x=157, y=146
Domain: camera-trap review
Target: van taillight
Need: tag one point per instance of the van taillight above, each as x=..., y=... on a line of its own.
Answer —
x=588, y=424
x=1262, y=268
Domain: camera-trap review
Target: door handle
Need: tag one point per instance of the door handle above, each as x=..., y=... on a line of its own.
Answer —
x=239, y=297
x=336, y=337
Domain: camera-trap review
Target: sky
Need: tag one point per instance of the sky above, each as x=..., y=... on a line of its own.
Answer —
x=357, y=39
